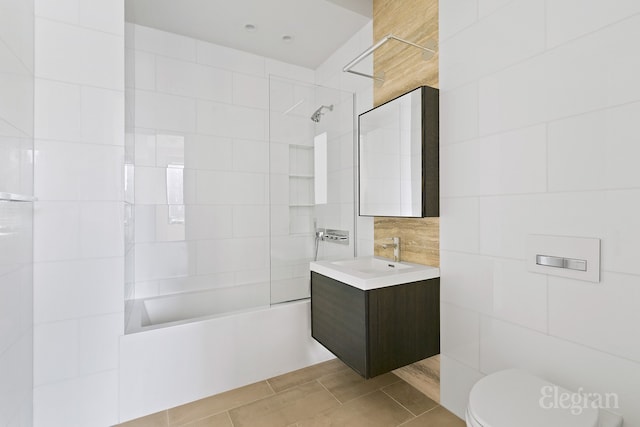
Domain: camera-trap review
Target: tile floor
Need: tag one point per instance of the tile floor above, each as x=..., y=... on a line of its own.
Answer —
x=327, y=394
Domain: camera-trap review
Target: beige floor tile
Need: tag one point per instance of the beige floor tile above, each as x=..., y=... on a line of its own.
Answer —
x=409, y=397
x=373, y=410
x=158, y=419
x=305, y=375
x=284, y=408
x=215, y=404
x=347, y=385
x=423, y=375
x=438, y=417
x=220, y=420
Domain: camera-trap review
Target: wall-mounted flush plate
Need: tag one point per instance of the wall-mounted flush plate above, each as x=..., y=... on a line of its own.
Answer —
x=572, y=257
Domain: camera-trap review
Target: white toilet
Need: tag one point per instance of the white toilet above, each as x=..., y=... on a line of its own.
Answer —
x=515, y=398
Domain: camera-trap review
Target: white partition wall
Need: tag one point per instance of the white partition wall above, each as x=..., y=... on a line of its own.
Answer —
x=539, y=135
x=16, y=218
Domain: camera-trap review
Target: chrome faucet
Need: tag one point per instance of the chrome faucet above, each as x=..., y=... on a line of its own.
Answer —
x=396, y=248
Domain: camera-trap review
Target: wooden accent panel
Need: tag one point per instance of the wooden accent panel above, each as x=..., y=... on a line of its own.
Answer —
x=404, y=68
x=423, y=375
x=419, y=239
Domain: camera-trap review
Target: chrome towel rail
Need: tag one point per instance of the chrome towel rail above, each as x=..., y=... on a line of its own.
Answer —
x=12, y=197
x=427, y=52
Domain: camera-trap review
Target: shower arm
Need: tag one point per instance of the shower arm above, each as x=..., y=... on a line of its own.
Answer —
x=348, y=68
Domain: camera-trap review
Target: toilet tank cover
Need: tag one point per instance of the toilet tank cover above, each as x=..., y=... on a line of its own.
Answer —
x=516, y=398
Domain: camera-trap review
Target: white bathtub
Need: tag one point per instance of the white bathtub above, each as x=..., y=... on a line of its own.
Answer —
x=162, y=367
x=179, y=308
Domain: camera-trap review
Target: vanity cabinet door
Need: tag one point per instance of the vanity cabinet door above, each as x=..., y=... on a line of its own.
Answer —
x=404, y=325
x=338, y=320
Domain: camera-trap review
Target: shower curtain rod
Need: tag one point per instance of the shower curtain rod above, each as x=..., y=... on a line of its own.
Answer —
x=427, y=52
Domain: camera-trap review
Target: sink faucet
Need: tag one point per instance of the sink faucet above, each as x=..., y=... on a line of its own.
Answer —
x=396, y=248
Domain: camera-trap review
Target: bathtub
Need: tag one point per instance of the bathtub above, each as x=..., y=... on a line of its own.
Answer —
x=175, y=309
x=163, y=367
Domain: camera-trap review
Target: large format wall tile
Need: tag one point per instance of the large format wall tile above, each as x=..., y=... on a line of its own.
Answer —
x=544, y=145
x=510, y=35
x=563, y=81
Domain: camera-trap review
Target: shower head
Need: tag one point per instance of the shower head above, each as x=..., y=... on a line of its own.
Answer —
x=318, y=113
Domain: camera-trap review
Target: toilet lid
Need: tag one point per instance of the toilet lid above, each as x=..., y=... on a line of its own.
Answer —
x=513, y=397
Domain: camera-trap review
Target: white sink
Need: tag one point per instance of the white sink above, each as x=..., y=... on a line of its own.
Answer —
x=374, y=272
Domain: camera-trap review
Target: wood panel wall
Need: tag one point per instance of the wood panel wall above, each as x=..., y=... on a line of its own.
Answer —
x=403, y=66
x=405, y=69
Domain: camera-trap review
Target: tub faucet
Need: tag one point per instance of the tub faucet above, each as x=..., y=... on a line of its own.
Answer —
x=396, y=248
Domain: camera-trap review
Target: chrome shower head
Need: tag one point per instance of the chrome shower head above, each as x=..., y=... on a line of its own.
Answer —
x=317, y=115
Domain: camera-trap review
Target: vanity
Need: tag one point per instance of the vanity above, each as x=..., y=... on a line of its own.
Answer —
x=374, y=314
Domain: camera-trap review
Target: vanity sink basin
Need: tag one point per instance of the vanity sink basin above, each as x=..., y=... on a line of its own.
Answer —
x=371, y=265
x=374, y=272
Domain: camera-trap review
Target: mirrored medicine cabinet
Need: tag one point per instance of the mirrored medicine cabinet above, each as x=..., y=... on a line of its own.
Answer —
x=398, y=156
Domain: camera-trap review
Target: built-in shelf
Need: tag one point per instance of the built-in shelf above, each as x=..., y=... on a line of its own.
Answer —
x=13, y=197
x=301, y=192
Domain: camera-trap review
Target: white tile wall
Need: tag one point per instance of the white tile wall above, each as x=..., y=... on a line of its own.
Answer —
x=16, y=219
x=231, y=121
x=209, y=152
x=250, y=91
x=456, y=379
x=79, y=220
x=466, y=12
x=73, y=54
x=568, y=19
x=62, y=291
x=18, y=87
x=100, y=166
x=57, y=112
x=461, y=62
x=487, y=7
x=250, y=156
x=192, y=80
x=513, y=162
x=579, y=158
x=102, y=116
x=459, y=114
x=600, y=316
x=16, y=385
x=537, y=138
x=85, y=13
x=230, y=59
x=519, y=296
x=156, y=110
x=164, y=43
x=471, y=284
x=55, y=348
x=557, y=81
x=561, y=361
x=90, y=400
x=460, y=330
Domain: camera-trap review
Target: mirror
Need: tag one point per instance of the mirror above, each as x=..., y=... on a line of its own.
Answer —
x=398, y=156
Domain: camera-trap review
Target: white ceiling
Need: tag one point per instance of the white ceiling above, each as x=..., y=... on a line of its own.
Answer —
x=318, y=27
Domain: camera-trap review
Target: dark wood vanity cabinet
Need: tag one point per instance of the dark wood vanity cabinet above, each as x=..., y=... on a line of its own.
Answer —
x=378, y=330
